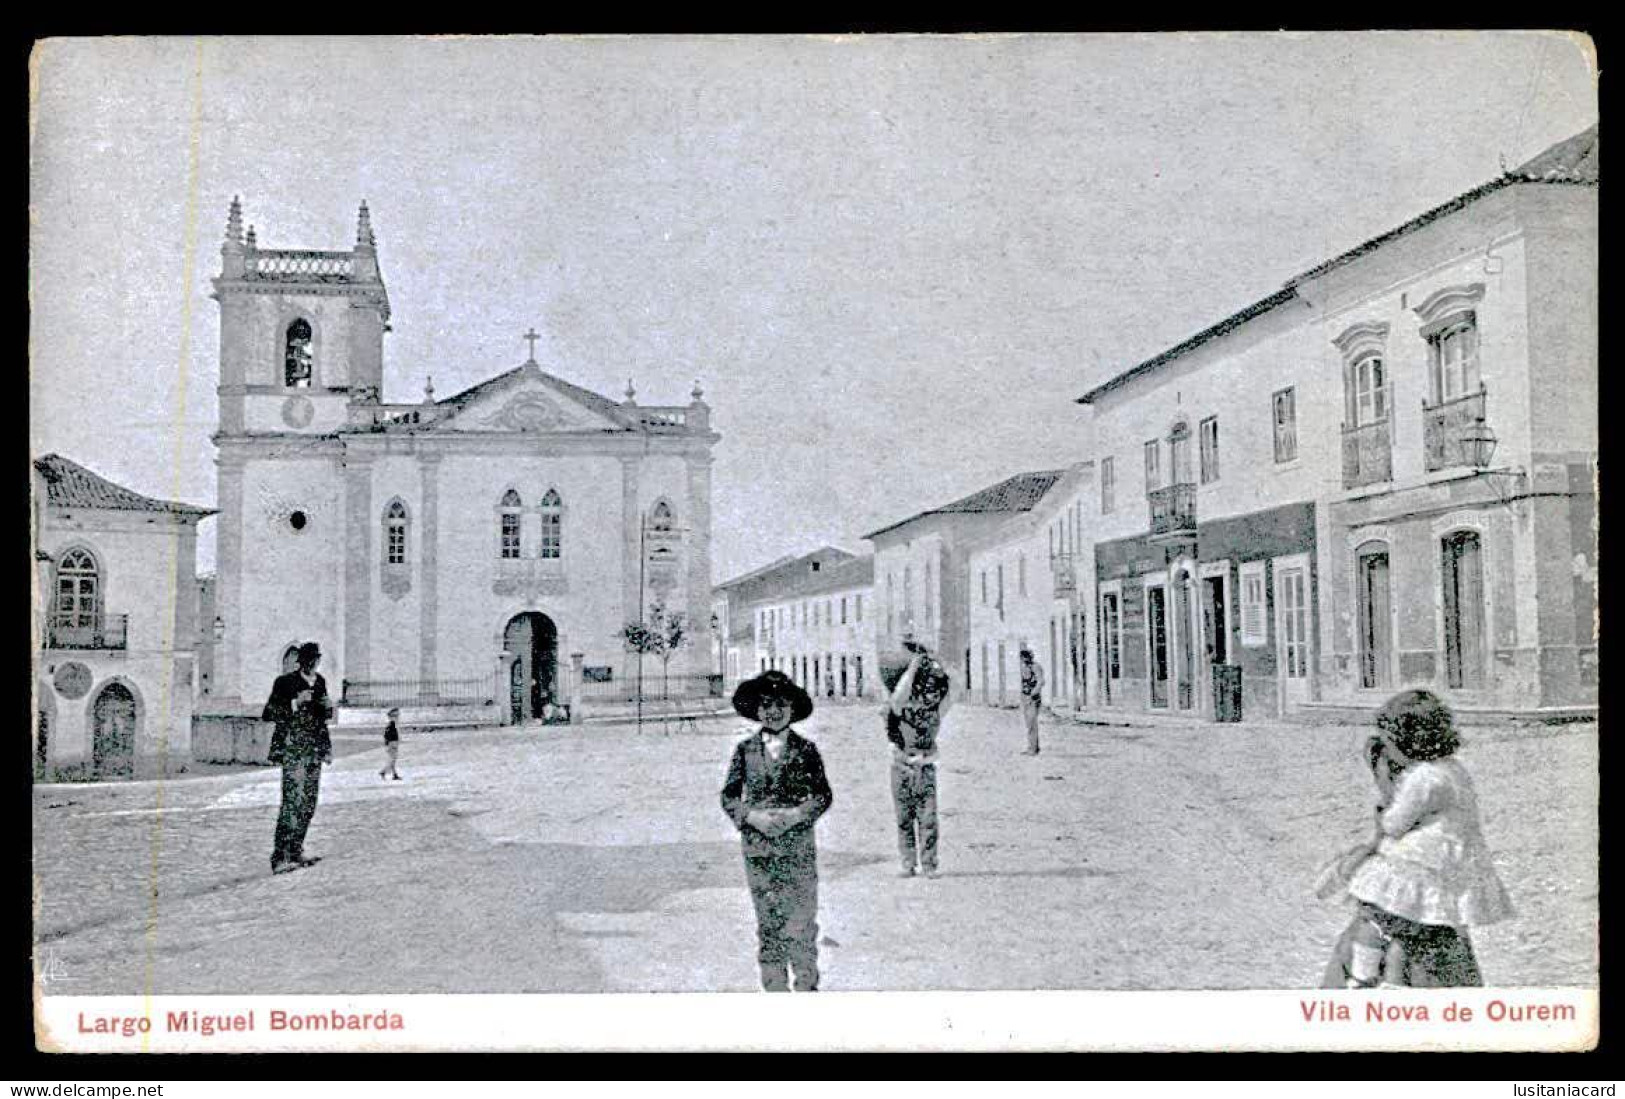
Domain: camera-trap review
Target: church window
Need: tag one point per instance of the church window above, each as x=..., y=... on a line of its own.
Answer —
x=661, y=518
x=510, y=510
x=395, y=534
x=296, y=361
x=552, y=525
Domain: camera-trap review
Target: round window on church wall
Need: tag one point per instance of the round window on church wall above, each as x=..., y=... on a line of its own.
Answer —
x=298, y=520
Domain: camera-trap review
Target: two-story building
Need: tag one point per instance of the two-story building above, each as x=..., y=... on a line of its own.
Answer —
x=749, y=636
x=922, y=570
x=1024, y=592
x=823, y=630
x=1379, y=476
x=116, y=626
x=1459, y=541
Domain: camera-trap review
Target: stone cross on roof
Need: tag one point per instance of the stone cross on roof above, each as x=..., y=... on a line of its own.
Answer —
x=532, y=336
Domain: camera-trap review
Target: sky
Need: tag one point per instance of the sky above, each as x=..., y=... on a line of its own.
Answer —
x=892, y=263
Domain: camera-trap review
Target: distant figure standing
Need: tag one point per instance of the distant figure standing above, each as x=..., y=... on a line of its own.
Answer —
x=1032, y=697
x=392, y=745
x=300, y=707
x=775, y=792
x=914, y=714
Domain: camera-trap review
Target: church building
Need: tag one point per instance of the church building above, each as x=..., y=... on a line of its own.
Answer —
x=477, y=555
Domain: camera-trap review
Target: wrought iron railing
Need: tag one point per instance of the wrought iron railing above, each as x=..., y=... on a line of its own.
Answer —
x=1066, y=575
x=1444, y=425
x=656, y=687
x=1368, y=457
x=476, y=691
x=110, y=632
x=1173, y=509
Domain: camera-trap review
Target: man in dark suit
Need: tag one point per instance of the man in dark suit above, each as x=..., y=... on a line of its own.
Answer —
x=774, y=793
x=300, y=707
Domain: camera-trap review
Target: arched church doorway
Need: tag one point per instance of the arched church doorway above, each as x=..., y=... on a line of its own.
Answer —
x=533, y=640
x=113, y=724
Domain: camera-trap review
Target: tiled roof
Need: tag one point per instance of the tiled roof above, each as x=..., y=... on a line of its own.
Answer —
x=1573, y=162
x=599, y=404
x=1230, y=323
x=856, y=573
x=1013, y=494
x=831, y=554
x=71, y=485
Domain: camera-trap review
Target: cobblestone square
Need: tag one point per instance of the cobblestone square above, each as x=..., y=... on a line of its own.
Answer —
x=596, y=859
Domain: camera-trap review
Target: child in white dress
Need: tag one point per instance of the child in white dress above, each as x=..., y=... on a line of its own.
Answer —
x=1429, y=875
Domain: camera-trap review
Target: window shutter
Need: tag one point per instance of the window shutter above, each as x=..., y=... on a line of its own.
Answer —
x=1253, y=629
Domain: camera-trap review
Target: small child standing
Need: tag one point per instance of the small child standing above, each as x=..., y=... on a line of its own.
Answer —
x=1428, y=875
x=392, y=745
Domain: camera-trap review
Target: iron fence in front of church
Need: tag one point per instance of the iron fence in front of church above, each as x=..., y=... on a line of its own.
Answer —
x=485, y=690
x=478, y=691
x=656, y=688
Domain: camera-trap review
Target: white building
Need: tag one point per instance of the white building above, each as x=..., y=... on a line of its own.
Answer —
x=1302, y=494
x=922, y=573
x=473, y=554
x=821, y=631
x=116, y=625
x=1024, y=591
x=748, y=637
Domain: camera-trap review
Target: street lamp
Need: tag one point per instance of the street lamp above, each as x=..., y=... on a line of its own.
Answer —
x=644, y=527
x=1478, y=443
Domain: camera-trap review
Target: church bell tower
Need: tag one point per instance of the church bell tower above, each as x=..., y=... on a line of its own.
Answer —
x=301, y=331
x=301, y=347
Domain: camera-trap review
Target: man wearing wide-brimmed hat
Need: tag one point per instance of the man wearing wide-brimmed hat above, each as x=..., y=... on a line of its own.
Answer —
x=774, y=793
x=300, y=707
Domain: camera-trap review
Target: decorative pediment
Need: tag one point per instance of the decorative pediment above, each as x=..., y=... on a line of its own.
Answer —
x=1445, y=305
x=1361, y=338
x=527, y=412
x=525, y=403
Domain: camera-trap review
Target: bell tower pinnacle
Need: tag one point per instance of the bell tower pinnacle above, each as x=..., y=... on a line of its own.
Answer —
x=301, y=331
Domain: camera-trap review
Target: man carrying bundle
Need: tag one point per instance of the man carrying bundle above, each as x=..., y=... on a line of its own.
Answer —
x=914, y=714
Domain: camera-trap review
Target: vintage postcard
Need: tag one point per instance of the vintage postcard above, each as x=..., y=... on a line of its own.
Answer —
x=1051, y=541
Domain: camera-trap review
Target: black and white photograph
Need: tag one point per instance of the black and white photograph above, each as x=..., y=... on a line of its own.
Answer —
x=1091, y=536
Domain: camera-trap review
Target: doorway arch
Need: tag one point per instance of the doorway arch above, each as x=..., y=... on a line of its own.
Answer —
x=533, y=639
x=115, y=718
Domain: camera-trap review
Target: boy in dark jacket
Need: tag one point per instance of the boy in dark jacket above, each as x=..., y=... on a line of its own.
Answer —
x=392, y=744
x=774, y=793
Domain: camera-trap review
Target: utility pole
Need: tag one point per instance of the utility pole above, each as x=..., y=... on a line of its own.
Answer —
x=643, y=557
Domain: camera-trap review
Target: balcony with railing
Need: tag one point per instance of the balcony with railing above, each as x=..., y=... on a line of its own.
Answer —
x=1368, y=457
x=108, y=633
x=1064, y=568
x=1443, y=427
x=1173, y=511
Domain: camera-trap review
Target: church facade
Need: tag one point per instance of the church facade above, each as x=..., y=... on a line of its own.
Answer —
x=477, y=555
